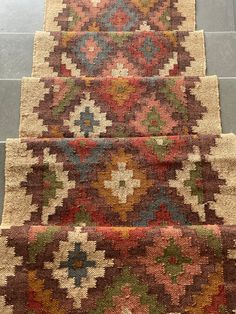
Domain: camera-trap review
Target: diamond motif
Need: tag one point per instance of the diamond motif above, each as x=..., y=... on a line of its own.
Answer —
x=152, y=51
x=195, y=182
x=128, y=295
x=55, y=184
x=92, y=50
x=173, y=261
x=154, y=118
x=77, y=265
x=120, y=93
x=119, y=17
x=189, y=183
x=87, y=120
x=122, y=184
x=149, y=49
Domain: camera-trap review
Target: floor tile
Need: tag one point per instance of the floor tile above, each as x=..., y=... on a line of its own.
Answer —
x=16, y=52
x=215, y=15
x=234, y=5
x=221, y=52
x=228, y=104
x=21, y=15
x=9, y=108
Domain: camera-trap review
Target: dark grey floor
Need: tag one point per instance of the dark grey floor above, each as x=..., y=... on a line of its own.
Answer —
x=19, y=19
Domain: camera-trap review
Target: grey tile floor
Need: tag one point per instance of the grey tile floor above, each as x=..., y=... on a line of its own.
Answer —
x=19, y=19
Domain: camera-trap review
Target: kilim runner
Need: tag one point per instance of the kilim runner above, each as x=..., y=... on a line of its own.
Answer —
x=131, y=182
x=120, y=194
x=119, y=54
x=119, y=15
x=119, y=107
x=157, y=270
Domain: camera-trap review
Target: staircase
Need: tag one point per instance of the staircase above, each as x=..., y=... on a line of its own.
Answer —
x=19, y=21
x=75, y=237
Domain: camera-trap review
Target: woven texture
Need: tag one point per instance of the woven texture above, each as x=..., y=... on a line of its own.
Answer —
x=119, y=15
x=119, y=107
x=112, y=270
x=121, y=190
x=119, y=54
x=130, y=182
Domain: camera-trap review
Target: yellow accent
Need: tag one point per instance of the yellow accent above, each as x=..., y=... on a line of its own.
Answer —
x=200, y=301
x=172, y=37
x=94, y=28
x=66, y=37
x=121, y=97
x=44, y=296
x=123, y=230
x=145, y=8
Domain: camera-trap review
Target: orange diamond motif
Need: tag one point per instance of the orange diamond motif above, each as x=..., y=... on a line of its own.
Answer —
x=122, y=184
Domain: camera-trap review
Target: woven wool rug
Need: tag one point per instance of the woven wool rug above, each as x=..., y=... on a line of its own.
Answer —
x=119, y=15
x=119, y=107
x=121, y=192
x=121, y=182
x=112, y=270
x=119, y=54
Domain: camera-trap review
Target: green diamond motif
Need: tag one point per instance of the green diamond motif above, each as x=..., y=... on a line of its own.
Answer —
x=196, y=183
x=160, y=146
x=153, y=122
x=165, y=18
x=50, y=184
x=127, y=278
x=173, y=260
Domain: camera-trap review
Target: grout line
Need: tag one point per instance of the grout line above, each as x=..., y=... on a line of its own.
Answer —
x=13, y=33
x=234, y=11
x=9, y=79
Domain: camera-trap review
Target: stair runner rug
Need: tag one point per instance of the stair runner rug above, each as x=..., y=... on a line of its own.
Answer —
x=119, y=107
x=119, y=54
x=119, y=15
x=121, y=182
x=121, y=194
x=118, y=270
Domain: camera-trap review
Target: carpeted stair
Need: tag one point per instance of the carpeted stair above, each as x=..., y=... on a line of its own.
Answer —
x=121, y=191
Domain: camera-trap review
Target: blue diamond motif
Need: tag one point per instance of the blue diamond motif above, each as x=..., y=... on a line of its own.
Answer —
x=87, y=122
x=101, y=55
x=149, y=49
x=77, y=264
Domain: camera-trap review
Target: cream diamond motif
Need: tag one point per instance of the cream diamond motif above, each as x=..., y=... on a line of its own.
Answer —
x=120, y=71
x=95, y=2
x=122, y=183
x=87, y=120
x=78, y=258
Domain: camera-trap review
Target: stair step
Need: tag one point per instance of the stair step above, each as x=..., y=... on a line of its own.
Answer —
x=212, y=15
x=16, y=54
x=122, y=182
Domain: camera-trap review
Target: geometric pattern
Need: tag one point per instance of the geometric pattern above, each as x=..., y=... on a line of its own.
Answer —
x=120, y=15
x=112, y=270
x=94, y=54
x=121, y=194
x=145, y=181
x=119, y=107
